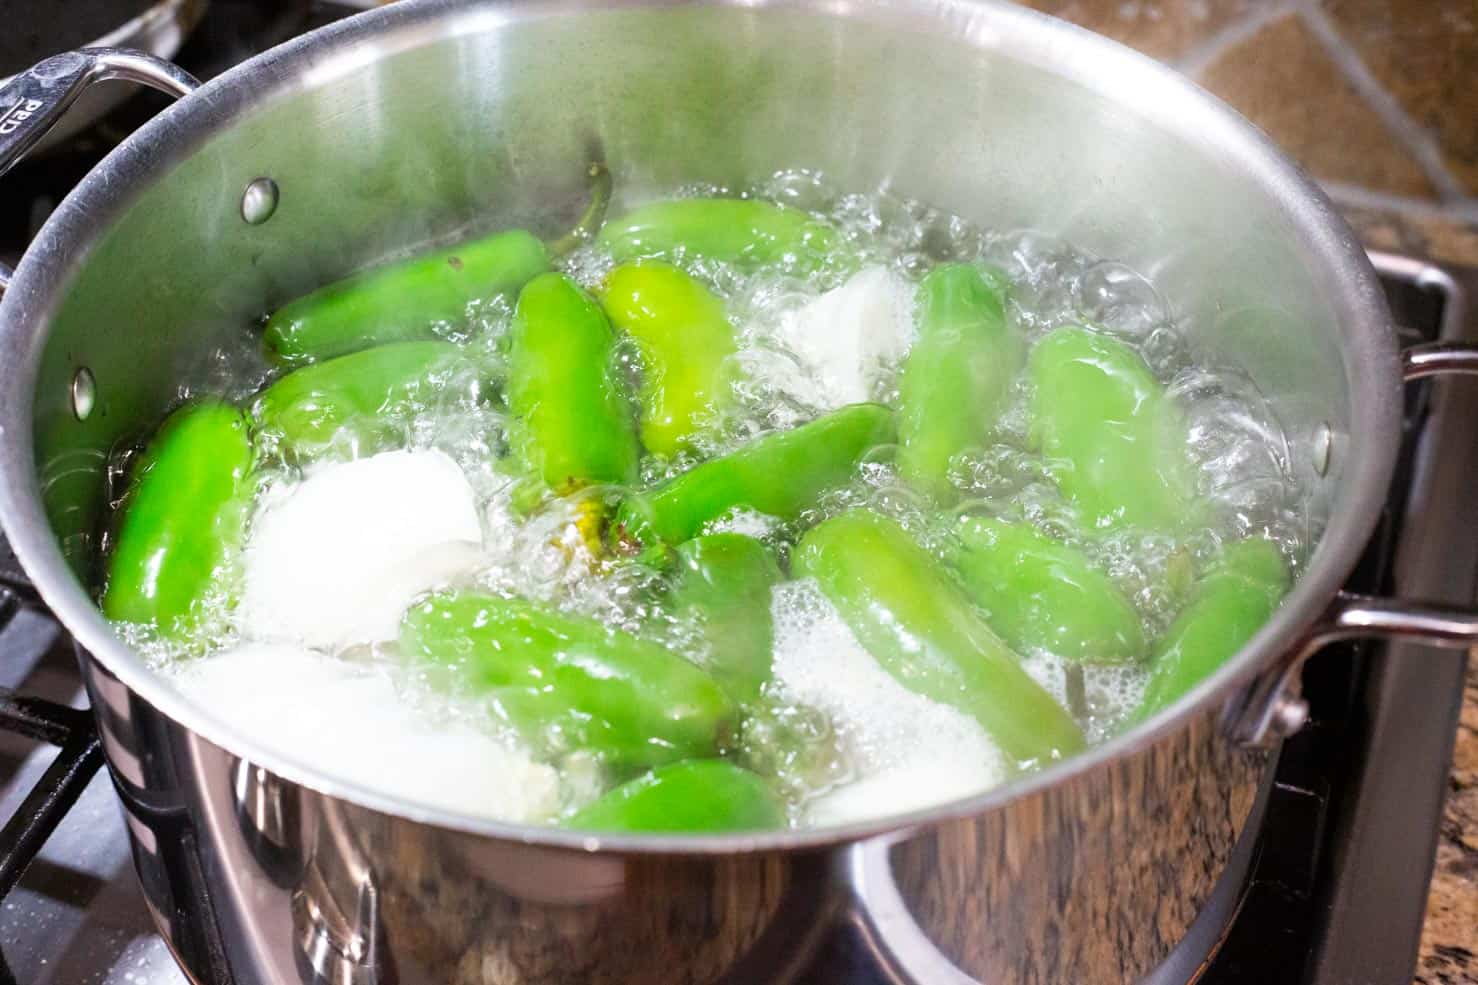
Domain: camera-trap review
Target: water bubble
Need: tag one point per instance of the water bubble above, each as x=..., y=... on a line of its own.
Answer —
x=1117, y=299
x=802, y=189
x=587, y=266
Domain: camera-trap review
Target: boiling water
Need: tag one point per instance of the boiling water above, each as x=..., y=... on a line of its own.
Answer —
x=839, y=738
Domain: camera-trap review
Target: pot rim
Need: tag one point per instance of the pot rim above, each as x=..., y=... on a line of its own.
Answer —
x=1156, y=92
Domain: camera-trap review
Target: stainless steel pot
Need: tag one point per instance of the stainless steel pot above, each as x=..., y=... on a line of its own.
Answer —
x=160, y=29
x=416, y=120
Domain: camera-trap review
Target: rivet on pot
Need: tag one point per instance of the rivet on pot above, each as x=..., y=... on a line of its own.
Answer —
x=1323, y=445
x=259, y=201
x=84, y=393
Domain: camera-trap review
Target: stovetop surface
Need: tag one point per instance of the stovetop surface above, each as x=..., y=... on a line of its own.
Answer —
x=1337, y=877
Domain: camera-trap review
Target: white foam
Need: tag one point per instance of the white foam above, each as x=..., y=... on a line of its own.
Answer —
x=850, y=336
x=351, y=721
x=750, y=523
x=335, y=559
x=1111, y=691
x=908, y=752
x=898, y=790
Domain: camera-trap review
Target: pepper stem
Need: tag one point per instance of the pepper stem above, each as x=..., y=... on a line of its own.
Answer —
x=592, y=218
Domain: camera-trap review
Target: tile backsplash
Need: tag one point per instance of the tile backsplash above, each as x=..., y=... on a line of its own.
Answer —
x=1376, y=98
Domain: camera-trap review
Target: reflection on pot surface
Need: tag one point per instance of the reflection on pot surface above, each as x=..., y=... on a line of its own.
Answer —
x=1015, y=895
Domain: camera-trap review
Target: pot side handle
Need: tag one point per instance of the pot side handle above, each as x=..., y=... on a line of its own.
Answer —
x=1269, y=709
x=33, y=101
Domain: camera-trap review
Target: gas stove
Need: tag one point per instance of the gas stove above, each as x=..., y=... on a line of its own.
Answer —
x=1329, y=885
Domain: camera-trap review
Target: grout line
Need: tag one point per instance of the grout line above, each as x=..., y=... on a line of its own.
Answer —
x=1465, y=211
x=1411, y=136
x=1202, y=55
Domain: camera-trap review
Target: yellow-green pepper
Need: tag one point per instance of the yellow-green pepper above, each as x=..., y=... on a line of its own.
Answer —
x=685, y=344
x=1039, y=594
x=955, y=377
x=1115, y=444
x=700, y=796
x=904, y=609
x=182, y=520
x=722, y=584
x=645, y=704
x=1230, y=603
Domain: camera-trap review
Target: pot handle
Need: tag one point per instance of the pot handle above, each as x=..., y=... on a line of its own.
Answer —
x=1269, y=708
x=33, y=101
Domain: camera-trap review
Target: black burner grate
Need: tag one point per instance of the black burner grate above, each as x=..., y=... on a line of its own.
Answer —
x=79, y=754
x=71, y=730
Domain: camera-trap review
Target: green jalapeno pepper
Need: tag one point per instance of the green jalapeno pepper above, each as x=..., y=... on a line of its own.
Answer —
x=702, y=795
x=182, y=520
x=1039, y=594
x=554, y=723
x=684, y=340
x=779, y=474
x=905, y=610
x=1231, y=603
x=723, y=584
x=571, y=425
x=407, y=300
x=741, y=231
x=1118, y=447
x=403, y=301
x=955, y=377
x=649, y=705
x=303, y=411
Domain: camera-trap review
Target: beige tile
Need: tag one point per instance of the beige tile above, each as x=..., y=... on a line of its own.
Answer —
x=1425, y=52
x=1445, y=239
x=1166, y=29
x=1282, y=79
